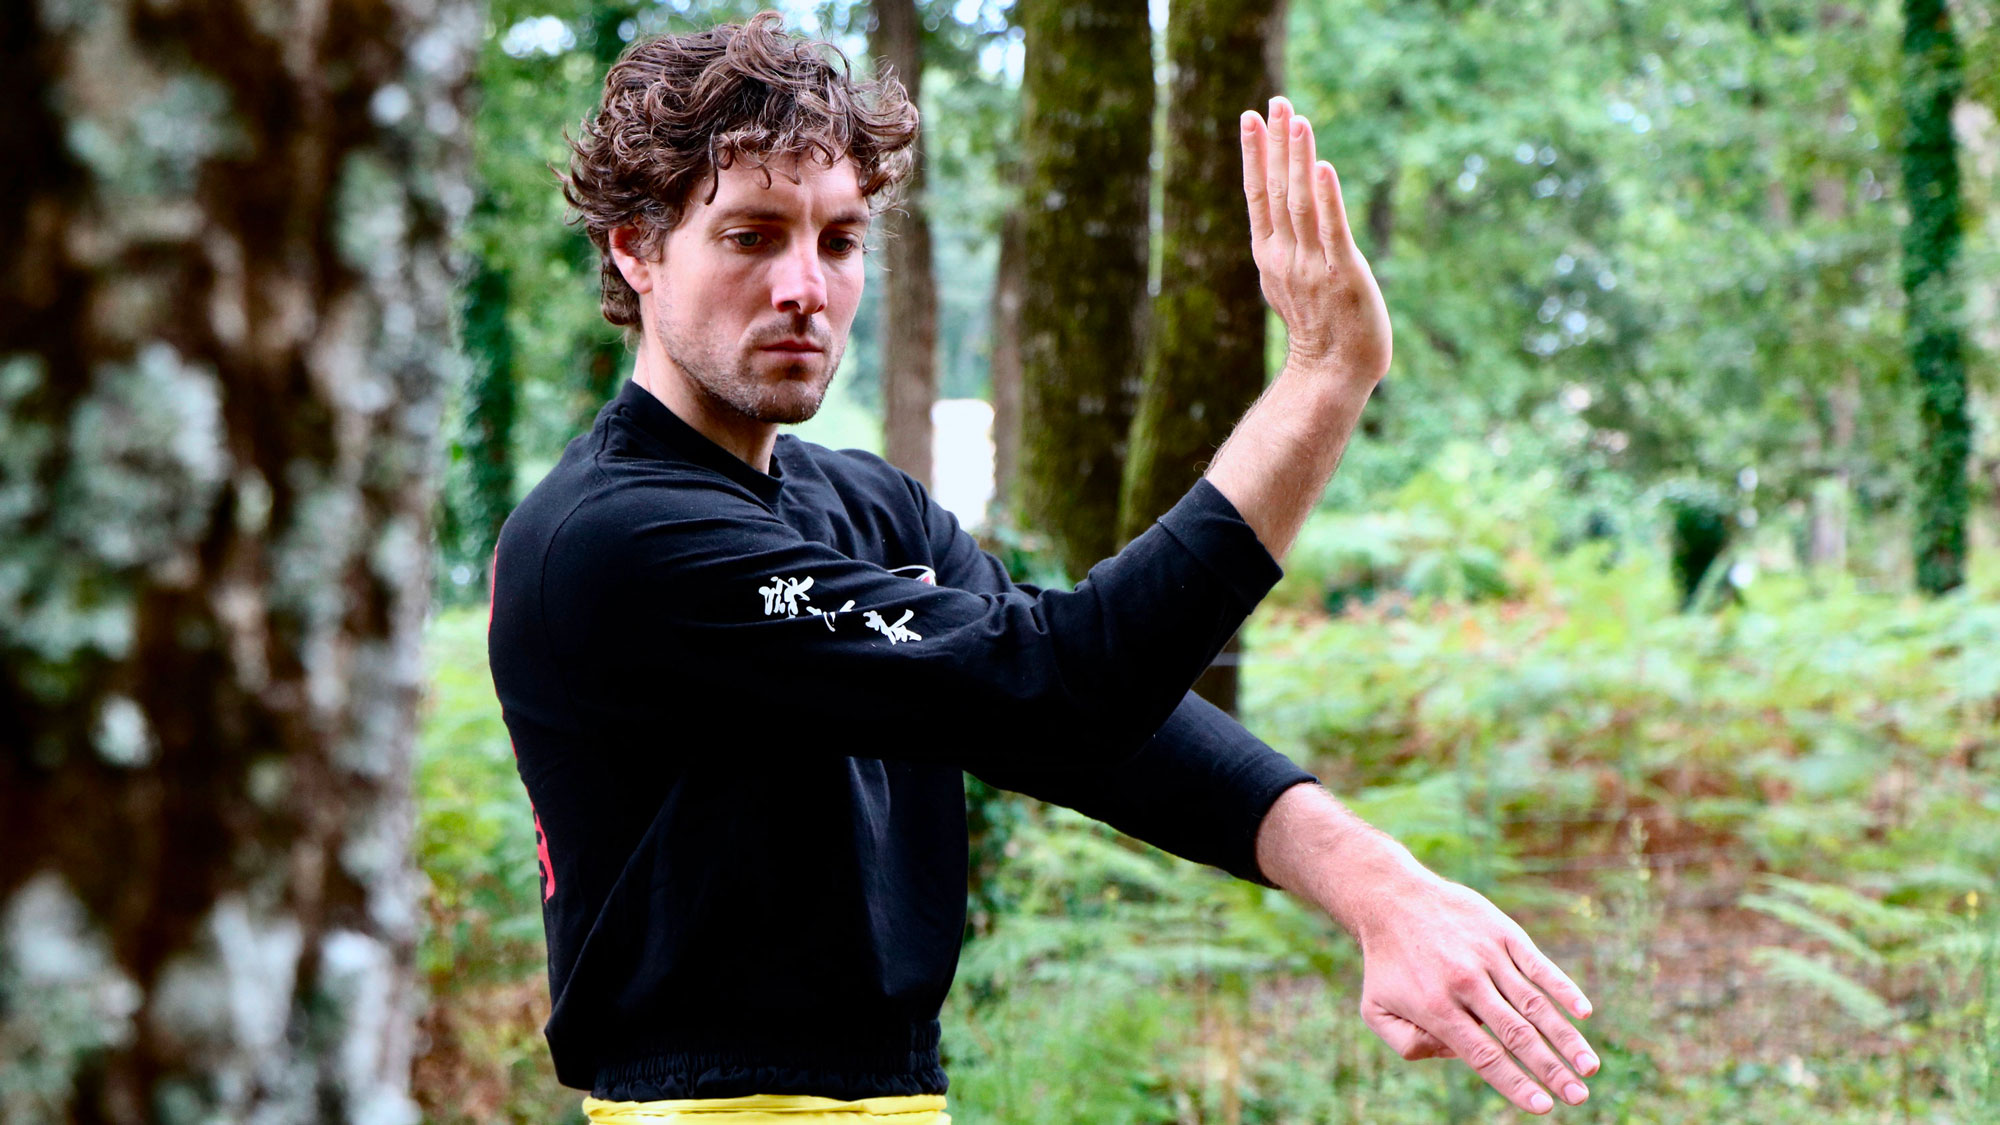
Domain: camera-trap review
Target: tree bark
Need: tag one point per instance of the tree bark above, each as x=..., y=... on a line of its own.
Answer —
x=1205, y=364
x=1932, y=75
x=1086, y=130
x=909, y=305
x=224, y=334
x=1006, y=364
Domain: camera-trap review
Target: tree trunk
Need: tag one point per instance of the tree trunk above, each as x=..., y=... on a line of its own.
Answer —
x=1832, y=495
x=1205, y=365
x=1932, y=69
x=224, y=334
x=1086, y=131
x=909, y=305
x=1006, y=364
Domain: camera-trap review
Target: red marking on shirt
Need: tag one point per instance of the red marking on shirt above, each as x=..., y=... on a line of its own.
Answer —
x=542, y=854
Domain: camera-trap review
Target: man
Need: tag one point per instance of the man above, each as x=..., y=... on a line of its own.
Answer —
x=743, y=673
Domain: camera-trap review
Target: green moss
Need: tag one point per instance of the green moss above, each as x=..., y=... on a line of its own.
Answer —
x=1087, y=92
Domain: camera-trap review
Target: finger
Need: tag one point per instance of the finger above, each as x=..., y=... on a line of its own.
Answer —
x=1299, y=191
x=1522, y=995
x=1253, y=176
x=1543, y=972
x=1334, y=235
x=1525, y=1042
x=1277, y=169
x=1485, y=1055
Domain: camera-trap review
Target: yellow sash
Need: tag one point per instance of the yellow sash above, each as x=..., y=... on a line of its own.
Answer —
x=771, y=1109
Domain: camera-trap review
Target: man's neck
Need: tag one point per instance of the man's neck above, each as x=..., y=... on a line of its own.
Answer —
x=751, y=441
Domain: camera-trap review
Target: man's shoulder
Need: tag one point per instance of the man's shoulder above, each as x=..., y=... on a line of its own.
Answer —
x=859, y=473
x=600, y=502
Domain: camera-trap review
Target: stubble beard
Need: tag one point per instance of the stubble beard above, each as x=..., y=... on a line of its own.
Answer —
x=782, y=398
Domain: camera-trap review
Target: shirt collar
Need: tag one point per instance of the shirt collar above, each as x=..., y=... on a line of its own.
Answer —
x=637, y=406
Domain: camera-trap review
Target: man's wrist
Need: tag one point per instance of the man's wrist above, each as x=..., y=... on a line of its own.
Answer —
x=1328, y=377
x=1312, y=845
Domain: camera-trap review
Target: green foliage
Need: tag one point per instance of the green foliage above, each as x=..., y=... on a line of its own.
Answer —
x=1944, y=942
x=475, y=838
x=1660, y=236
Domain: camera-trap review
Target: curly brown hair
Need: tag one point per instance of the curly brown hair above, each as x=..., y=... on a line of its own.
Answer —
x=679, y=109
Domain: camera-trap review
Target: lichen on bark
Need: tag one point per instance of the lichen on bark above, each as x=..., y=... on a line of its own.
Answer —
x=223, y=344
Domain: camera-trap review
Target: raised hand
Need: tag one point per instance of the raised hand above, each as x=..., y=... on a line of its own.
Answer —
x=1309, y=267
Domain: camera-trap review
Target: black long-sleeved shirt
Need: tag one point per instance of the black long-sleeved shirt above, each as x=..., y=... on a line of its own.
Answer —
x=741, y=704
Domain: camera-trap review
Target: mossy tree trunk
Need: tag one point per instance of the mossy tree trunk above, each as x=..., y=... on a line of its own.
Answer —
x=910, y=303
x=224, y=333
x=1205, y=363
x=1086, y=132
x=1932, y=76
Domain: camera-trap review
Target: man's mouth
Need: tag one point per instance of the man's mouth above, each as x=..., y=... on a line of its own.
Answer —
x=792, y=346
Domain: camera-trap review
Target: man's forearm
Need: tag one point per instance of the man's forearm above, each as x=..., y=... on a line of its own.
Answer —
x=1280, y=456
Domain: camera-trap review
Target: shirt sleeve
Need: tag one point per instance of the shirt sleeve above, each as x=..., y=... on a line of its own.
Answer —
x=699, y=604
x=1198, y=788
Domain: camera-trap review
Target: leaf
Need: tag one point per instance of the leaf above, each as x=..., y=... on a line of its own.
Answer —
x=1802, y=918
x=1857, y=1000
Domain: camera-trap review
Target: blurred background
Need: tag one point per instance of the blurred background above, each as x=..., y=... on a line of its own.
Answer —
x=1658, y=597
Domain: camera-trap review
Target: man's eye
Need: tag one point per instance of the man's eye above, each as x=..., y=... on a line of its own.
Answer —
x=841, y=244
x=747, y=239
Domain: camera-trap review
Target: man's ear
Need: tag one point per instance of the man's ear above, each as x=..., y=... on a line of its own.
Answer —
x=625, y=244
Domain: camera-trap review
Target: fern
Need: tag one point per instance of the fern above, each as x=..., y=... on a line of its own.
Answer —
x=1814, y=924
x=1859, y=1002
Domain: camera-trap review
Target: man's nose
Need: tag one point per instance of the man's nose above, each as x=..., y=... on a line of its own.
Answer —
x=799, y=285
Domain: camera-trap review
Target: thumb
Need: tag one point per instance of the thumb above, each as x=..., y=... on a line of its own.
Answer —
x=1405, y=1038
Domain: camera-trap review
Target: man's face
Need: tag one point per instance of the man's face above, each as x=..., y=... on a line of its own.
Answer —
x=755, y=290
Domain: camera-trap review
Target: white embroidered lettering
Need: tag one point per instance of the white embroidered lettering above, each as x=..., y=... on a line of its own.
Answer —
x=783, y=595
x=896, y=632
x=829, y=614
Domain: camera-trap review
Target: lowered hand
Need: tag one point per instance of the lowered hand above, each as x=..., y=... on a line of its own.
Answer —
x=1444, y=973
